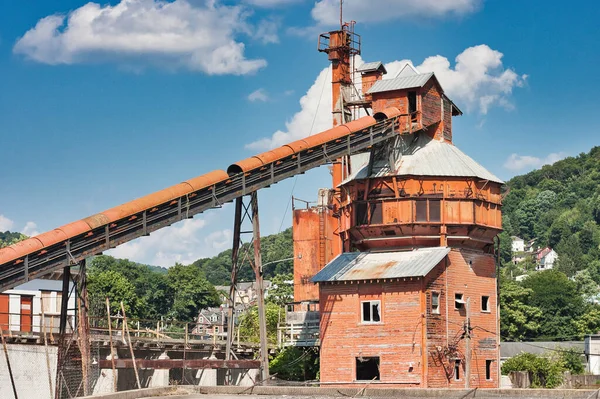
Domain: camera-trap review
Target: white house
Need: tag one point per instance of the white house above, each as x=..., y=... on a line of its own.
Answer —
x=21, y=307
x=518, y=244
x=545, y=258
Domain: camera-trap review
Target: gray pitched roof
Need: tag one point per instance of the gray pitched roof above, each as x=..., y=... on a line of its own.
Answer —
x=420, y=155
x=404, y=82
x=371, y=66
x=379, y=265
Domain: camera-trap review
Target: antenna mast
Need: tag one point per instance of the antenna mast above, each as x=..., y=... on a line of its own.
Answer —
x=341, y=13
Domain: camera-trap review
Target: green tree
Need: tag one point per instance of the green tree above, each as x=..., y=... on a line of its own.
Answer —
x=282, y=291
x=249, y=328
x=295, y=364
x=557, y=297
x=114, y=286
x=545, y=371
x=518, y=319
x=586, y=286
x=191, y=292
x=7, y=238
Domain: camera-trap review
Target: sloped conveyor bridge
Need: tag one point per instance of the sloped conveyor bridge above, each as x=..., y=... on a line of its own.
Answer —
x=75, y=241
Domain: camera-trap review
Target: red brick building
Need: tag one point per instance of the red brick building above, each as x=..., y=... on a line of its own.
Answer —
x=412, y=300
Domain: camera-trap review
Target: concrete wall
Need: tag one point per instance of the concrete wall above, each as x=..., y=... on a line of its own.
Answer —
x=28, y=363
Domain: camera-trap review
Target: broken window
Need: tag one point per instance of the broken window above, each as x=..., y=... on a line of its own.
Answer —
x=459, y=302
x=361, y=213
x=488, y=369
x=371, y=311
x=435, y=302
x=485, y=303
x=457, y=370
x=367, y=369
x=412, y=102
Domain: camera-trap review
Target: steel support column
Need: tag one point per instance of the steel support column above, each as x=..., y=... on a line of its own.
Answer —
x=237, y=224
x=258, y=271
x=64, y=305
x=84, y=328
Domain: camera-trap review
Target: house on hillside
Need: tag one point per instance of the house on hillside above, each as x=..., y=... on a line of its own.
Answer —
x=518, y=244
x=246, y=293
x=545, y=258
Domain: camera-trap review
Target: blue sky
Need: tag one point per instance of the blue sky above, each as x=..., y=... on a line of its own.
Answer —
x=101, y=103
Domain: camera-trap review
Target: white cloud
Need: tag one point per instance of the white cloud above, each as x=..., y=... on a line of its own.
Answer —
x=478, y=80
x=477, y=83
x=219, y=240
x=30, y=229
x=314, y=116
x=266, y=31
x=517, y=162
x=271, y=3
x=200, y=36
x=178, y=243
x=258, y=95
x=5, y=223
x=327, y=12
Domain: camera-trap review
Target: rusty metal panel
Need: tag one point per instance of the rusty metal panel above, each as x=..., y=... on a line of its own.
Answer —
x=7, y=254
x=96, y=220
x=180, y=363
x=378, y=265
x=247, y=164
x=274, y=155
x=208, y=179
x=75, y=228
x=51, y=237
x=361, y=123
x=23, y=248
x=298, y=145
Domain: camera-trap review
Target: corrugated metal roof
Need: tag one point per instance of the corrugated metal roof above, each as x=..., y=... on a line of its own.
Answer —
x=405, y=82
x=422, y=156
x=370, y=66
x=378, y=265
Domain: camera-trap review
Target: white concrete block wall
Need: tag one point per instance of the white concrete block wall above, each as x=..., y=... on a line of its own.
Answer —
x=28, y=363
x=14, y=308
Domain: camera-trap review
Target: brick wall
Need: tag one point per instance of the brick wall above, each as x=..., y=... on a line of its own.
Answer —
x=431, y=103
x=396, y=340
x=408, y=325
x=447, y=120
x=444, y=330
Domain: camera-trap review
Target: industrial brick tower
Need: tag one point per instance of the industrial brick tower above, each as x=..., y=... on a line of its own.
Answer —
x=399, y=253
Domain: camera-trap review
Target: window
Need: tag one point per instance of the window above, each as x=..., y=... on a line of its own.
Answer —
x=434, y=211
x=367, y=369
x=376, y=213
x=428, y=210
x=488, y=369
x=435, y=302
x=421, y=211
x=459, y=302
x=412, y=101
x=485, y=303
x=371, y=311
x=361, y=213
x=457, y=370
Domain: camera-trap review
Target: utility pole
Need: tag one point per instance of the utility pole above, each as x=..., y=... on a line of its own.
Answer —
x=468, y=345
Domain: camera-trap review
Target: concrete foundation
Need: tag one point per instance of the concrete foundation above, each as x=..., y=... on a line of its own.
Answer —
x=105, y=382
x=28, y=363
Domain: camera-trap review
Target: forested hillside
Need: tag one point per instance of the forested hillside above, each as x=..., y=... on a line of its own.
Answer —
x=558, y=206
x=7, y=238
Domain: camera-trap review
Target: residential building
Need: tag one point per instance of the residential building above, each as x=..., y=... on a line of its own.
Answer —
x=246, y=293
x=33, y=307
x=545, y=258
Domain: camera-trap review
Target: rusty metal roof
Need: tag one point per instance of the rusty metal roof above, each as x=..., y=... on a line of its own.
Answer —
x=378, y=265
x=420, y=155
x=405, y=82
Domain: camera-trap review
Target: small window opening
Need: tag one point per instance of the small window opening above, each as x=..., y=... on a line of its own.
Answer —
x=371, y=312
x=488, y=369
x=456, y=370
x=434, y=211
x=459, y=302
x=435, y=302
x=367, y=369
x=485, y=303
x=361, y=213
x=376, y=213
x=421, y=211
x=412, y=102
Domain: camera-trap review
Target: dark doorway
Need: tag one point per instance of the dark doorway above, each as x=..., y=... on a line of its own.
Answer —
x=367, y=368
x=412, y=102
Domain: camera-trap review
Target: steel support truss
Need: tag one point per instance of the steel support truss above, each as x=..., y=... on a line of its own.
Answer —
x=246, y=215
